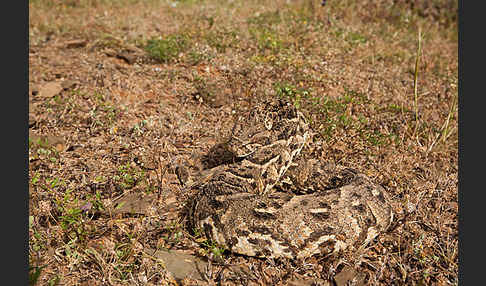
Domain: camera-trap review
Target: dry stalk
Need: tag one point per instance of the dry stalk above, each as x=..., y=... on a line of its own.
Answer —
x=415, y=78
x=445, y=127
x=445, y=131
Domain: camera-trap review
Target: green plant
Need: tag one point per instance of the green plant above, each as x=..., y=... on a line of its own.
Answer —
x=267, y=39
x=375, y=138
x=356, y=38
x=173, y=233
x=72, y=222
x=167, y=49
x=221, y=40
x=35, y=179
x=212, y=248
x=54, y=281
x=196, y=57
x=128, y=176
x=34, y=274
x=95, y=202
x=124, y=263
x=284, y=90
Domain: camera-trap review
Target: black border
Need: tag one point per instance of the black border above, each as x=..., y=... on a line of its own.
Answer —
x=15, y=78
x=468, y=193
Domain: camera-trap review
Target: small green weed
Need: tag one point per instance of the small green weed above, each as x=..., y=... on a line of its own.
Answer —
x=356, y=38
x=376, y=138
x=167, y=49
x=34, y=274
x=72, y=218
x=128, y=176
x=54, y=281
x=124, y=262
x=72, y=222
x=94, y=202
x=172, y=234
x=48, y=184
x=195, y=58
x=296, y=95
x=266, y=39
x=221, y=40
x=35, y=179
x=211, y=248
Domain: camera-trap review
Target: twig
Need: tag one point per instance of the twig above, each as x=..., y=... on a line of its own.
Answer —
x=415, y=85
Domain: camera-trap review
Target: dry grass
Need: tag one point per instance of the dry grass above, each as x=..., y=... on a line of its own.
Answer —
x=350, y=66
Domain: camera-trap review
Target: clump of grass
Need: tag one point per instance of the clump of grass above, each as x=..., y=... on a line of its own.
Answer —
x=221, y=39
x=356, y=38
x=172, y=234
x=209, y=248
x=267, y=39
x=262, y=29
x=445, y=128
x=167, y=49
x=212, y=250
x=128, y=177
x=73, y=218
x=34, y=274
x=285, y=90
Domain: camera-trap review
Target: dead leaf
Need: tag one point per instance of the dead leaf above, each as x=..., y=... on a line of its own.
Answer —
x=50, y=89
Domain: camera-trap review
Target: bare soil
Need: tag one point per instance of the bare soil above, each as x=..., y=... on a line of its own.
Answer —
x=122, y=92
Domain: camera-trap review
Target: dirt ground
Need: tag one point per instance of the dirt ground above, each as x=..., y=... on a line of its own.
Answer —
x=122, y=92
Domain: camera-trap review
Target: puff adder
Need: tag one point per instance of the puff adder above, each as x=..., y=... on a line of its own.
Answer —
x=266, y=195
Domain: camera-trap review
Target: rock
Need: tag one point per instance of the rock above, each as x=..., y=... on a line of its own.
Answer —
x=349, y=276
x=50, y=89
x=181, y=265
x=134, y=203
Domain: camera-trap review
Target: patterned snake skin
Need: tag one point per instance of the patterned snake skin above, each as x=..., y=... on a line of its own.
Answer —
x=266, y=195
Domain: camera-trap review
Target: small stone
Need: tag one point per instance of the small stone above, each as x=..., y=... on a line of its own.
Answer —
x=50, y=89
